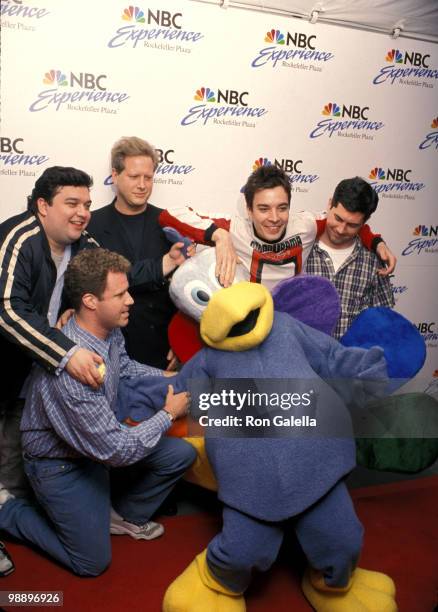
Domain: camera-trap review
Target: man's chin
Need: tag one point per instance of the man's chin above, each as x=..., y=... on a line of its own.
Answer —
x=270, y=236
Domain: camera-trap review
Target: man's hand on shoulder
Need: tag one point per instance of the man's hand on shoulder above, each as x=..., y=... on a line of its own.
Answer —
x=66, y=315
x=226, y=257
x=83, y=366
x=177, y=405
x=388, y=257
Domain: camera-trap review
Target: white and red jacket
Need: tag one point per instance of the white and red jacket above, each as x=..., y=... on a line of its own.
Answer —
x=265, y=262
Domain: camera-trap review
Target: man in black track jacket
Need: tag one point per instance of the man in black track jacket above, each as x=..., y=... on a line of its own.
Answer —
x=35, y=248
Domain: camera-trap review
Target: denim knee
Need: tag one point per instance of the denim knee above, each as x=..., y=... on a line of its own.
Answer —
x=93, y=565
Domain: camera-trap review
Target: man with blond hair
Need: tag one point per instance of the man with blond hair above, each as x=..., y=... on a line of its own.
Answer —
x=129, y=226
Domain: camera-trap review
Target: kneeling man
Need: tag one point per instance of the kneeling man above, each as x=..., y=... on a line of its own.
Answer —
x=79, y=459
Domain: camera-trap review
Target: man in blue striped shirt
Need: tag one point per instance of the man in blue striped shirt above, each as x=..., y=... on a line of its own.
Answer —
x=79, y=459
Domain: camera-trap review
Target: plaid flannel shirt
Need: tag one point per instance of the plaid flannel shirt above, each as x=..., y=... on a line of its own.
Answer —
x=357, y=282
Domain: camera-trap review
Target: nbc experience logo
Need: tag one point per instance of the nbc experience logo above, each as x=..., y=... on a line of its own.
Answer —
x=431, y=139
x=169, y=171
x=291, y=50
x=397, y=290
x=298, y=179
x=156, y=28
x=67, y=90
x=425, y=241
x=407, y=68
x=20, y=9
x=13, y=153
x=394, y=183
x=346, y=120
x=223, y=107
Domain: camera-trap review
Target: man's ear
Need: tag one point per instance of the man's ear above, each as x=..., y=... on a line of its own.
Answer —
x=329, y=205
x=89, y=300
x=42, y=206
x=114, y=175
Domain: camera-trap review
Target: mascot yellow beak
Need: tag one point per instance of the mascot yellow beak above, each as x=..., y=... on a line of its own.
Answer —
x=238, y=318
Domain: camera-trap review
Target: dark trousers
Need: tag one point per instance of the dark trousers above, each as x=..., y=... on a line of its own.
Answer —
x=12, y=474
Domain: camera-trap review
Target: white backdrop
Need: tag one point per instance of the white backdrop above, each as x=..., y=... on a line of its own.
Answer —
x=325, y=102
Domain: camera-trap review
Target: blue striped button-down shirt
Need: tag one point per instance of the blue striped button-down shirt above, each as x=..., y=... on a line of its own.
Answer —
x=64, y=418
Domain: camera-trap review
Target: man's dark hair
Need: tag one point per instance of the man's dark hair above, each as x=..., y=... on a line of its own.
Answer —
x=265, y=177
x=356, y=195
x=87, y=273
x=52, y=179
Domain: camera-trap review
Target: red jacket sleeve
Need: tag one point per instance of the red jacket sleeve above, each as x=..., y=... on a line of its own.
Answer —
x=196, y=227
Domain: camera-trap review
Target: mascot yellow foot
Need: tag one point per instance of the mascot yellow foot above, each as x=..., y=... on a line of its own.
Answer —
x=367, y=592
x=197, y=591
x=200, y=472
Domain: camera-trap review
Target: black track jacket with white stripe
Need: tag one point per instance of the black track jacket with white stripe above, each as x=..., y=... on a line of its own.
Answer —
x=28, y=276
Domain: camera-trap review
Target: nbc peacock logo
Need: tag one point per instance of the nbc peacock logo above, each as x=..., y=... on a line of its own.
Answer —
x=331, y=110
x=133, y=13
x=205, y=94
x=261, y=161
x=55, y=78
x=274, y=37
x=421, y=230
x=394, y=56
x=377, y=174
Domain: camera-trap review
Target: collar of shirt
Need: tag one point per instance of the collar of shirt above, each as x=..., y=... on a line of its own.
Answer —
x=85, y=339
x=319, y=246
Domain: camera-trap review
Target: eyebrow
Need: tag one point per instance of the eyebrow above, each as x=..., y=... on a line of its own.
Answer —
x=75, y=200
x=345, y=221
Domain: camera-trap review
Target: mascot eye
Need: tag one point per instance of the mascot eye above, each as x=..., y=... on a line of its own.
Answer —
x=200, y=296
x=197, y=294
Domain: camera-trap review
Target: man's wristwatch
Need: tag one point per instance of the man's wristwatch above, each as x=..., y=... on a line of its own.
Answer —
x=171, y=417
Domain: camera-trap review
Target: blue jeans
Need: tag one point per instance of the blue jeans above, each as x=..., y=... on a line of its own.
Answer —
x=72, y=521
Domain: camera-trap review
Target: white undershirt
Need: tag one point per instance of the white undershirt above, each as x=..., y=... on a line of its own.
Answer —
x=338, y=256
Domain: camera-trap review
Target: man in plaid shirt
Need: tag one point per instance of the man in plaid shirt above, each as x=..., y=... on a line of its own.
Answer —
x=91, y=475
x=340, y=256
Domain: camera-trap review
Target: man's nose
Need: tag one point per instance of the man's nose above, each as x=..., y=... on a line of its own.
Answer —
x=142, y=182
x=83, y=210
x=273, y=215
x=129, y=299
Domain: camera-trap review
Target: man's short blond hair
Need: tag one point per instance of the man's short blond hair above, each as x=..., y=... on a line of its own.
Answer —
x=128, y=146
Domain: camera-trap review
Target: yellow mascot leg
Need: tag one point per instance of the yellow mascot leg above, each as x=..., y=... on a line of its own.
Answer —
x=200, y=472
x=367, y=592
x=195, y=590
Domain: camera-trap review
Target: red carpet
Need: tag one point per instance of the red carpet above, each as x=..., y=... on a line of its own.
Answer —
x=401, y=525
